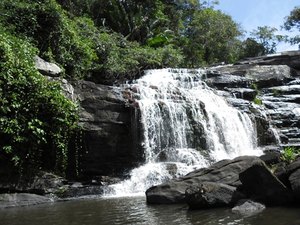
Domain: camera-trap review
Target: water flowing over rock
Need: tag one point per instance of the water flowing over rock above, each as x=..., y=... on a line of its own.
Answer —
x=172, y=121
x=273, y=102
x=185, y=124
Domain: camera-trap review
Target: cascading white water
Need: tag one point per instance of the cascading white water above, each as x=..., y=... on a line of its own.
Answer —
x=186, y=126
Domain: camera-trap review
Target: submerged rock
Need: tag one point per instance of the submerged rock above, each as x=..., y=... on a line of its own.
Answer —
x=22, y=199
x=248, y=208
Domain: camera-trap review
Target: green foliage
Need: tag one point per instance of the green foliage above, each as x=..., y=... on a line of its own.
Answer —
x=254, y=86
x=52, y=30
x=36, y=120
x=276, y=92
x=267, y=38
x=289, y=154
x=87, y=51
x=251, y=48
x=292, y=22
x=212, y=37
x=257, y=101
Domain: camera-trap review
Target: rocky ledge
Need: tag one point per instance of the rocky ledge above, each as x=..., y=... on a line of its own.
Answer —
x=273, y=83
x=246, y=182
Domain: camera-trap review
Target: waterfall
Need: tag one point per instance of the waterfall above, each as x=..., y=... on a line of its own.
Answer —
x=186, y=125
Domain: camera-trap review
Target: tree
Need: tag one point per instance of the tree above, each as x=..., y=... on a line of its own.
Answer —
x=292, y=22
x=251, y=48
x=137, y=20
x=267, y=38
x=211, y=37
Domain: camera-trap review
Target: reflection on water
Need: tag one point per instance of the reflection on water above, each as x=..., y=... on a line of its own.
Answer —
x=136, y=211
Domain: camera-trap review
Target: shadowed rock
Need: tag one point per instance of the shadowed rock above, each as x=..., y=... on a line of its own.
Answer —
x=294, y=177
x=261, y=185
x=211, y=195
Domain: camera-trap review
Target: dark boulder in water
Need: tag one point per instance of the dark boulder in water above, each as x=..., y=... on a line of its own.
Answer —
x=261, y=185
x=211, y=195
x=225, y=172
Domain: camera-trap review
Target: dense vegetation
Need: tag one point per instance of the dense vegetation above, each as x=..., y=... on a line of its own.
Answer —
x=36, y=119
x=106, y=41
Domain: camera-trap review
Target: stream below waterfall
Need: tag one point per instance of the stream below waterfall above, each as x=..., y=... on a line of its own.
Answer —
x=134, y=210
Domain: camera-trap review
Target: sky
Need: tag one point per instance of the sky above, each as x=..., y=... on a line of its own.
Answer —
x=253, y=13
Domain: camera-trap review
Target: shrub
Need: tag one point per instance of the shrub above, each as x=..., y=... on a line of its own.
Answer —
x=36, y=120
x=289, y=154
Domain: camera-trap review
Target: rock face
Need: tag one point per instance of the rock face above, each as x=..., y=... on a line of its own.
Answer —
x=272, y=82
x=110, y=130
x=228, y=181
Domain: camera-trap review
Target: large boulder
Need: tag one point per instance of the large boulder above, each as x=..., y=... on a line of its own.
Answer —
x=22, y=199
x=211, y=195
x=47, y=68
x=261, y=185
x=225, y=171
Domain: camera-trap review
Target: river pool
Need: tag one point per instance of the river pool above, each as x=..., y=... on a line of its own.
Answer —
x=134, y=210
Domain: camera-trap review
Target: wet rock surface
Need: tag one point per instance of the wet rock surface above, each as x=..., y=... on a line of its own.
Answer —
x=110, y=130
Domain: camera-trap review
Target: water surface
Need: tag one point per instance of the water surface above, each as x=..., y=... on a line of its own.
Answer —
x=135, y=211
